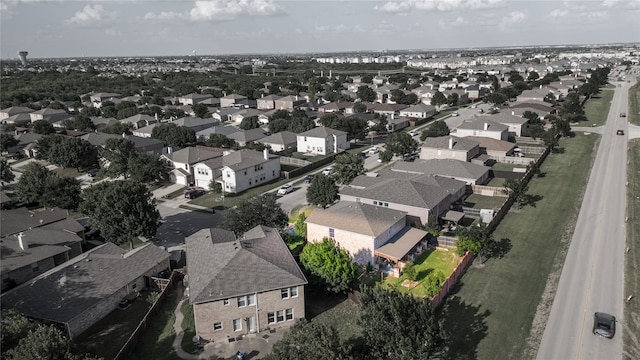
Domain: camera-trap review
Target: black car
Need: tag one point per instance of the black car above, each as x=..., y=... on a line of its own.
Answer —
x=604, y=325
x=309, y=178
x=194, y=193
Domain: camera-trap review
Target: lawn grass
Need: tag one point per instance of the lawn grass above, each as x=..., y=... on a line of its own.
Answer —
x=342, y=314
x=157, y=340
x=633, y=115
x=430, y=261
x=106, y=337
x=67, y=172
x=490, y=312
x=484, y=202
x=189, y=328
x=631, y=331
x=597, y=109
x=211, y=199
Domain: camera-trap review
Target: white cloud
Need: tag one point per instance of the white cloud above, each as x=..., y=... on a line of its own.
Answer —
x=457, y=22
x=559, y=13
x=91, y=15
x=221, y=10
x=338, y=29
x=512, y=18
x=404, y=6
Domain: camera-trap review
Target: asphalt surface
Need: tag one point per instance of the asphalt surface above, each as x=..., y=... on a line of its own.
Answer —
x=592, y=278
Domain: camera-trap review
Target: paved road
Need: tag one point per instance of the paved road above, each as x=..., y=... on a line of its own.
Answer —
x=592, y=278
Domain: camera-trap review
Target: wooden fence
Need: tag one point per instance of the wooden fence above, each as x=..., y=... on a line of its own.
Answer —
x=451, y=280
x=128, y=346
x=488, y=190
x=449, y=241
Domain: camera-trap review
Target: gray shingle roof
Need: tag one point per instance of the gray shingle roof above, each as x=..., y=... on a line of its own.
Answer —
x=223, y=266
x=477, y=123
x=247, y=135
x=356, y=217
x=21, y=219
x=442, y=142
x=322, y=132
x=66, y=291
x=442, y=167
x=280, y=138
x=192, y=155
x=245, y=158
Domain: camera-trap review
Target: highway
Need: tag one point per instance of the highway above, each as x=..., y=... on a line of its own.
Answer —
x=592, y=278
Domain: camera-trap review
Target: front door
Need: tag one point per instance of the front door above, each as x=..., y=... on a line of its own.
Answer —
x=251, y=324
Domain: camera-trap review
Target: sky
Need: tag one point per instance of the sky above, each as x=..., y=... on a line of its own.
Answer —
x=102, y=28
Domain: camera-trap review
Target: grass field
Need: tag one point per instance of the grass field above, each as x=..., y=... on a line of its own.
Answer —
x=484, y=202
x=442, y=260
x=491, y=311
x=156, y=341
x=631, y=334
x=189, y=328
x=593, y=109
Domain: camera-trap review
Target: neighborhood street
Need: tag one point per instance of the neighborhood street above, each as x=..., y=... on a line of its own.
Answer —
x=593, y=275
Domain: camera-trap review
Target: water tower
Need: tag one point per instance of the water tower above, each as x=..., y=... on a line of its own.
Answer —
x=23, y=57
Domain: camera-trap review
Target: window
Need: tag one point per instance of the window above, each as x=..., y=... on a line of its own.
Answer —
x=271, y=318
x=386, y=204
x=280, y=315
x=288, y=314
x=305, y=138
x=217, y=326
x=225, y=302
x=375, y=202
x=284, y=293
x=237, y=325
x=251, y=299
x=294, y=291
x=332, y=233
x=242, y=301
x=289, y=292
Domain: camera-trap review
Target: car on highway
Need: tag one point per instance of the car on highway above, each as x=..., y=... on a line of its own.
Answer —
x=604, y=325
x=623, y=114
x=285, y=189
x=620, y=132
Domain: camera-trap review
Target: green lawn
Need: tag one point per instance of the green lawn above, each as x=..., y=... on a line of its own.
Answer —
x=189, y=328
x=443, y=260
x=484, y=202
x=341, y=313
x=633, y=115
x=631, y=338
x=597, y=109
x=157, y=340
x=490, y=313
x=506, y=167
x=67, y=172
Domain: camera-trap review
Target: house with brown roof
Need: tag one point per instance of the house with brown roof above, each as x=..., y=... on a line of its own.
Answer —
x=243, y=284
x=493, y=147
x=139, y=120
x=449, y=147
x=371, y=234
x=80, y=292
x=483, y=126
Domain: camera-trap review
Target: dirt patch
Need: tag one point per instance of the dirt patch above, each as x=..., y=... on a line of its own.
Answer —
x=410, y=284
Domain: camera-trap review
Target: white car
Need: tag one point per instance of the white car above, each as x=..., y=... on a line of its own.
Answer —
x=285, y=189
x=455, y=113
x=327, y=171
x=414, y=133
x=374, y=150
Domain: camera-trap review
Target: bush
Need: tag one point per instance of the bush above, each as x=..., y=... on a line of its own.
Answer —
x=434, y=282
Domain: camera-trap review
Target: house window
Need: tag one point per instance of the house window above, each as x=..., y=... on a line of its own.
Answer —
x=225, y=302
x=293, y=291
x=332, y=233
x=217, y=326
x=288, y=314
x=271, y=318
x=229, y=174
x=357, y=199
x=242, y=301
x=251, y=299
x=375, y=202
x=274, y=173
x=305, y=138
x=386, y=204
x=280, y=315
x=237, y=325
x=284, y=293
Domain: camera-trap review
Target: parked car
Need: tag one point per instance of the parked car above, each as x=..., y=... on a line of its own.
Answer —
x=309, y=178
x=455, y=113
x=414, y=133
x=92, y=172
x=327, y=171
x=285, y=189
x=604, y=325
x=620, y=132
x=193, y=193
x=374, y=150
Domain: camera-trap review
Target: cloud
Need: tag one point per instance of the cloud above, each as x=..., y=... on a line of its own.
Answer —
x=221, y=10
x=91, y=15
x=402, y=7
x=559, y=13
x=514, y=17
x=339, y=29
x=457, y=22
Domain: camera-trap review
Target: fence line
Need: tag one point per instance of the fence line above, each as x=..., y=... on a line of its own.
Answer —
x=451, y=280
x=512, y=160
x=488, y=190
x=443, y=240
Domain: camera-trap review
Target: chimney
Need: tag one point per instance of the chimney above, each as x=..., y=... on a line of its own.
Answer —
x=265, y=153
x=450, y=143
x=486, y=126
x=22, y=241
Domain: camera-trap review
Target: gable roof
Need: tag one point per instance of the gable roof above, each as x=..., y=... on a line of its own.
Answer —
x=22, y=219
x=420, y=107
x=442, y=167
x=223, y=266
x=442, y=142
x=14, y=110
x=245, y=158
x=478, y=123
x=192, y=155
x=75, y=286
x=493, y=144
x=247, y=135
x=322, y=132
x=356, y=217
x=280, y=138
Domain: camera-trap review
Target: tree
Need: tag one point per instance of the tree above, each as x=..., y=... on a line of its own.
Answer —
x=438, y=99
x=259, y=210
x=365, y=93
x=14, y=328
x=118, y=128
x=398, y=326
x=172, y=134
x=386, y=155
x=62, y=192
x=433, y=282
x=300, y=226
x=118, y=151
x=401, y=143
x=32, y=184
x=322, y=191
x=475, y=239
x=359, y=108
x=200, y=110
x=331, y=264
x=310, y=340
x=453, y=99
x=6, y=175
x=516, y=189
x=347, y=166
x=70, y=152
x=147, y=167
x=121, y=209
x=79, y=123
x=495, y=98
x=437, y=129
x=533, y=75
x=7, y=141
x=330, y=120
x=42, y=127
x=355, y=127
x=249, y=123
x=219, y=140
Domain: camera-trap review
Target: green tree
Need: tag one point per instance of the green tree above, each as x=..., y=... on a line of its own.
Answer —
x=516, y=189
x=347, y=166
x=495, y=98
x=219, y=140
x=62, y=192
x=200, y=110
x=6, y=175
x=365, y=93
x=79, y=123
x=453, y=99
x=42, y=127
x=32, y=184
x=117, y=128
x=331, y=264
x=398, y=326
x=118, y=151
x=14, y=328
x=409, y=271
x=436, y=129
x=401, y=143
x=172, y=134
x=121, y=209
x=359, y=108
x=147, y=167
x=386, y=155
x=7, y=141
x=310, y=340
x=438, y=99
x=71, y=152
x=249, y=123
x=433, y=282
x=533, y=76
x=322, y=191
x=259, y=210
x=300, y=226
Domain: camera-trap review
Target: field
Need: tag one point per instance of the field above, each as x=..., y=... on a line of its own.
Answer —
x=436, y=260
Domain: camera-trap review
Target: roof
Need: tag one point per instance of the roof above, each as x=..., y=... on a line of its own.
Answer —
x=68, y=290
x=225, y=130
x=43, y=242
x=139, y=117
x=234, y=96
x=13, y=110
x=478, y=123
x=422, y=191
x=356, y=217
x=493, y=144
x=243, y=159
x=442, y=142
x=223, y=266
x=192, y=155
x=280, y=138
x=420, y=107
x=22, y=219
x=322, y=132
x=442, y=167
x=401, y=243
x=195, y=121
x=247, y=135
x=507, y=118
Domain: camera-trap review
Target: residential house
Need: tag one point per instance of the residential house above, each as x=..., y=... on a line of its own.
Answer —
x=420, y=111
x=139, y=120
x=337, y=106
x=267, y=102
x=243, y=137
x=101, y=121
x=82, y=291
x=183, y=162
x=474, y=92
x=144, y=132
x=238, y=116
x=245, y=169
x=322, y=141
x=232, y=100
x=280, y=141
x=195, y=123
x=243, y=284
x=33, y=242
x=420, y=196
x=390, y=110
x=537, y=94
x=395, y=123
x=26, y=144
x=52, y=116
x=371, y=234
x=463, y=96
x=493, y=147
x=194, y=98
x=425, y=93
x=470, y=173
x=288, y=102
x=98, y=98
x=14, y=110
x=224, y=114
x=21, y=119
x=449, y=147
x=540, y=107
x=139, y=143
x=225, y=130
x=518, y=126
x=482, y=126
